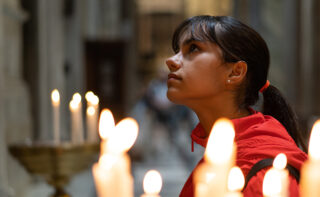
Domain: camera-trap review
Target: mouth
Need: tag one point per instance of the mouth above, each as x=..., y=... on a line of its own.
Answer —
x=173, y=76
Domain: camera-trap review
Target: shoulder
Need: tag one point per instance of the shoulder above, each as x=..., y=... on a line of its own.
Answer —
x=260, y=137
x=261, y=127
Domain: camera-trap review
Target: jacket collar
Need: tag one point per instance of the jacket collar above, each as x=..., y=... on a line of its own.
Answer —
x=198, y=134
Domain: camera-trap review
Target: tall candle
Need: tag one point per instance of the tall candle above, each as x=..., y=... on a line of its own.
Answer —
x=106, y=128
x=275, y=182
x=76, y=119
x=310, y=172
x=235, y=182
x=211, y=177
x=112, y=174
x=92, y=116
x=152, y=184
x=55, y=98
x=91, y=123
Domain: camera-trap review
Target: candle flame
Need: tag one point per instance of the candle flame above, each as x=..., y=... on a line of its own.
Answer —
x=124, y=136
x=91, y=111
x=280, y=162
x=92, y=98
x=73, y=105
x=95, y=100
x=55, y=96
x=88, y=95
x=106, y=124
x=76, y=97
x=272, y=183
x=152, y=182
x=220, y=144
x=235, y=179
x=314, y=143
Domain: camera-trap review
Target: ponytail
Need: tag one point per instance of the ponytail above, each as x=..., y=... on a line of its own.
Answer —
x=275, y=105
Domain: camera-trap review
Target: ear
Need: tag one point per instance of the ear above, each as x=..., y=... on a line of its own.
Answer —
x=237, y=73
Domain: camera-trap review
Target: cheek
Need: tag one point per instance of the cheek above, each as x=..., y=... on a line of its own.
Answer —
x=207, y=81
x=204, y=76
x=196, y=86
x=204, y=85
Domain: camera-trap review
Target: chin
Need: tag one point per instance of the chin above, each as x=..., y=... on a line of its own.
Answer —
x=174, y=97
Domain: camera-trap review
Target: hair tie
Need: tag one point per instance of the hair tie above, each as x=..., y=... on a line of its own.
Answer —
x=265, y=86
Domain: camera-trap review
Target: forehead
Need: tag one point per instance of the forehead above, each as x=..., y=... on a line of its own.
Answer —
x=194, y=33
x=206, y=43
x=188, y=37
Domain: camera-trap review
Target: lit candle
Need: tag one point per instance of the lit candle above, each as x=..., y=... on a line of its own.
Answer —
x=211, y=177
x=310, y=172
x=235, y=182
x=112, y=174
x=92, y=116
x=88, y=95
x=152, y=184
x=76, y=119
x=106, y=128
x=55, y=98
x=91, y=122
x=275, y=182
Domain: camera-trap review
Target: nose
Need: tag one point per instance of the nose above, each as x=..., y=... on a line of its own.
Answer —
x=174, y=62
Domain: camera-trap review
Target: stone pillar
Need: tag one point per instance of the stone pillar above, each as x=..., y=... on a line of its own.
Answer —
x=74, y=55
x=3, y=143
x=291, y=50
x=316, y=49
x=51, y=62
x=15, y=116
x=91, y=18
x=306, y=70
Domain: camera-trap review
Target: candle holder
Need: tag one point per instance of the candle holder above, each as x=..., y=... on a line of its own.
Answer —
x=56, y=163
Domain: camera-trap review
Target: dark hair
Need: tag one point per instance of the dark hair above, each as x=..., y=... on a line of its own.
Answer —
x=239, y=42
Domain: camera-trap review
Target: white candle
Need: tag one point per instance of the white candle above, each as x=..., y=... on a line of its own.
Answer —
x=55, y=98
x=91, y=124
x=211, y=177
x=235, y=182
x=112, y=174
x=152, y=184
x=106, y=128
x=92, y=116
x=76, y=119
x=275, y=182
x=310, y=172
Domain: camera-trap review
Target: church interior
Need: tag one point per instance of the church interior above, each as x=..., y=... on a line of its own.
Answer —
x=117, y=49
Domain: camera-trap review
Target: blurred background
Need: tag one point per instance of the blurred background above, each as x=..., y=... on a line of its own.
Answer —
x=117, y=49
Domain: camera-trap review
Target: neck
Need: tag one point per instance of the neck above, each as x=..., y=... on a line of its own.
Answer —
x=209, y=114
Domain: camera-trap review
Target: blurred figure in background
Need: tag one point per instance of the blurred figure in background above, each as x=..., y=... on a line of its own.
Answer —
x=166, y=113
x=161, y=121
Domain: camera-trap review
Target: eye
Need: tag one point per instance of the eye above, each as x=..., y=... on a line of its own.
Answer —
x=193, y=48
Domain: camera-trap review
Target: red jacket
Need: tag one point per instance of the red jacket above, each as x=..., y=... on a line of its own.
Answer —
x=257, y=137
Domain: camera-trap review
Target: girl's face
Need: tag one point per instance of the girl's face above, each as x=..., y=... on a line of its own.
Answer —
x=197, y=72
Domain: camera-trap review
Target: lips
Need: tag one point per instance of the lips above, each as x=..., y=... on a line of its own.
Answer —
x=173, y=76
